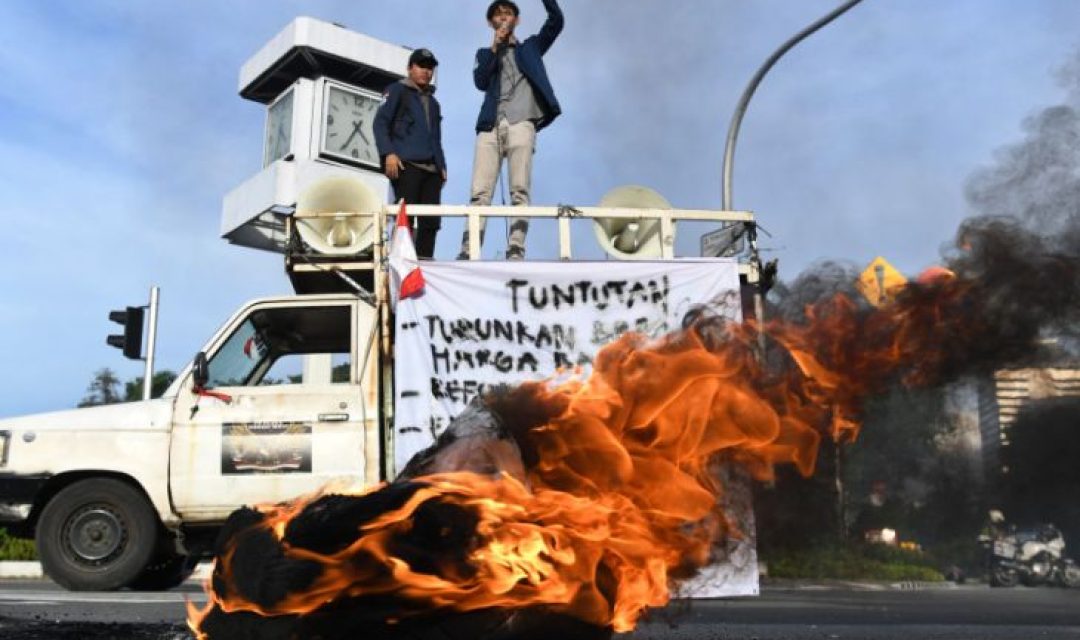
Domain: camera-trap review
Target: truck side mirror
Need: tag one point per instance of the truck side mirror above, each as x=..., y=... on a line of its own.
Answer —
x=201, y=370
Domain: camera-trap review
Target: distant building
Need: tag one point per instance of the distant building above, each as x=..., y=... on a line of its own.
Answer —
x=1002, y=397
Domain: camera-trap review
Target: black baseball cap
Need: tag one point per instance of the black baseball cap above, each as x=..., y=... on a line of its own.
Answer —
x=423, y=58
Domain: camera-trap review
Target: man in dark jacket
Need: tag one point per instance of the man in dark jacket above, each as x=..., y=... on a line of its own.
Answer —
x=408, y=133
x=518, y=102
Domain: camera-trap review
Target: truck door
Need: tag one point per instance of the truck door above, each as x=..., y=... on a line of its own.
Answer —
x=287, y=411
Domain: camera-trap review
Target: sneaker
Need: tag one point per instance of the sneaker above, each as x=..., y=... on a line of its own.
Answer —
x=514, y=252
x=462, y=256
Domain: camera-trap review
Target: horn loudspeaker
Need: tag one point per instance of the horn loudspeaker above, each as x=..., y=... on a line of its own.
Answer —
x=631, y=238
x=352, y=231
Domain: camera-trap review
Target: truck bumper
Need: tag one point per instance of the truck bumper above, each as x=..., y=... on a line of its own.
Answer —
x=17, y=493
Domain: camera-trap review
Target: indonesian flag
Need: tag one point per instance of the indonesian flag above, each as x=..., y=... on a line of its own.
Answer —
x=406, y=279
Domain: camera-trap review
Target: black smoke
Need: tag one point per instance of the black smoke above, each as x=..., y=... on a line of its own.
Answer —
x=1017, y=257
x=1028, y=223
x=1014, y=301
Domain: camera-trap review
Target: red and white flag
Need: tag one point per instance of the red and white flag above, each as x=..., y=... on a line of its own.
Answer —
x=406, y=279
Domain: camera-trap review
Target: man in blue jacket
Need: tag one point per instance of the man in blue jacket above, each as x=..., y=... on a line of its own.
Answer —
x=408, y=134
x=518, y=102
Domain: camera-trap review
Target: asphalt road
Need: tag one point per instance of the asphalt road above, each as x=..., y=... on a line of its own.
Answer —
x=32, y=609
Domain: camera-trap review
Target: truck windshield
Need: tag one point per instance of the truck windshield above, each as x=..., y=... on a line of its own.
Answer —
x=283, y=333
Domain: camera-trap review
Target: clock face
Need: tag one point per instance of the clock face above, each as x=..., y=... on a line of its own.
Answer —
x=279, y=129
x=347, y=127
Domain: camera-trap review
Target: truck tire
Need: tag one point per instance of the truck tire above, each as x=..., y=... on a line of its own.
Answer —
x=96, y=535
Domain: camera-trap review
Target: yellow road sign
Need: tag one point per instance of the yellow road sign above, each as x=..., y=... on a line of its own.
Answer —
x=880, y=282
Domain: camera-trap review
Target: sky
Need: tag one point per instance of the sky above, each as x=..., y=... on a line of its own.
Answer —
x=121, y=129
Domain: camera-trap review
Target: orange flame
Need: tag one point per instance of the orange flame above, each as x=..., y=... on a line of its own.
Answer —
x=622, y=497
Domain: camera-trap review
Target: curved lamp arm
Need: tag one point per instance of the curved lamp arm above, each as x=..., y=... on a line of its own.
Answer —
x=740, y=109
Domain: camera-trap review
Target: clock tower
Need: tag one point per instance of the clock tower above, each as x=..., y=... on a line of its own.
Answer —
x=322, y=85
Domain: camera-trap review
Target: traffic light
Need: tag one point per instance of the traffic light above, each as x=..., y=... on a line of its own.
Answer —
x=131, y=340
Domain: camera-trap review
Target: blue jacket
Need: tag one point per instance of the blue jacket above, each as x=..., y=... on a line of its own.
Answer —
x=529, y=58
x=408, y=135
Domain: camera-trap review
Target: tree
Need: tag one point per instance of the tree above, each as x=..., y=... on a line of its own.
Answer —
x=796, y=513
x=102, y=389
x=896, y=451
x=133, y=389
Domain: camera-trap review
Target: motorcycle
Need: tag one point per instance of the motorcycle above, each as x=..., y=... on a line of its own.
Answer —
x=1029, y=556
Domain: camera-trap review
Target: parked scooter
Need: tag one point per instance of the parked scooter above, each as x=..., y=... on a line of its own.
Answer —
x=1029, y=556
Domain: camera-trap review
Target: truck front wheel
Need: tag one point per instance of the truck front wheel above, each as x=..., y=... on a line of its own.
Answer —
x=96, y=535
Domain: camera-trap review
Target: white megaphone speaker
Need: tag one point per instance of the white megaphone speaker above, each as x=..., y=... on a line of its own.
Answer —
x=350, y=229
x=631, y=238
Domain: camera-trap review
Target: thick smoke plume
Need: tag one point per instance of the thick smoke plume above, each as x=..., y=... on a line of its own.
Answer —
x=1028, y=230
x=1019, y=255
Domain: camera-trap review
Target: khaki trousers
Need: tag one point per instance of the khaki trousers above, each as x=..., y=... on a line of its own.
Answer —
x=516, y=143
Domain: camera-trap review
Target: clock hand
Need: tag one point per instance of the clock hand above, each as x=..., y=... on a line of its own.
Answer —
x=356, y=130
x=347, y=141
x=362, y=136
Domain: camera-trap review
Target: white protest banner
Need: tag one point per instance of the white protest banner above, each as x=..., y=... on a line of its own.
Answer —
x=480, y=324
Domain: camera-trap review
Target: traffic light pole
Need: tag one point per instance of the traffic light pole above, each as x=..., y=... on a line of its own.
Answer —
x=151, y=340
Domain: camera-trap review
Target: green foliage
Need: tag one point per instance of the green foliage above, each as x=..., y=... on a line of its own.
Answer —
x=863, y=562
x=798, y=512
x=960, y=551
x=133, y=389
x=102, y=389
x=908, y=444
x=12, y=548
x=896, y=447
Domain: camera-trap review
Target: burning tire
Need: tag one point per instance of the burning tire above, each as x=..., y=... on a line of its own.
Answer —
x=96, y=535
x=257, y=568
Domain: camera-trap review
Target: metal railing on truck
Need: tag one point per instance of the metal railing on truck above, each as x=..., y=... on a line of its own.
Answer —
x=302, y=263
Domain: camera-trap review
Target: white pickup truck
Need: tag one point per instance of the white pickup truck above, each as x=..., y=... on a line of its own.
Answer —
x=111, y=491
x=290, y=395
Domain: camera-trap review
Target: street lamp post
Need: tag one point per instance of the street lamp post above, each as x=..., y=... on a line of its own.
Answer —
x=733, y=135
x=751, y=228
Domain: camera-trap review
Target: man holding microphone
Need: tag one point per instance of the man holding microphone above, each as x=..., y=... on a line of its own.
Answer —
x=518, y=102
